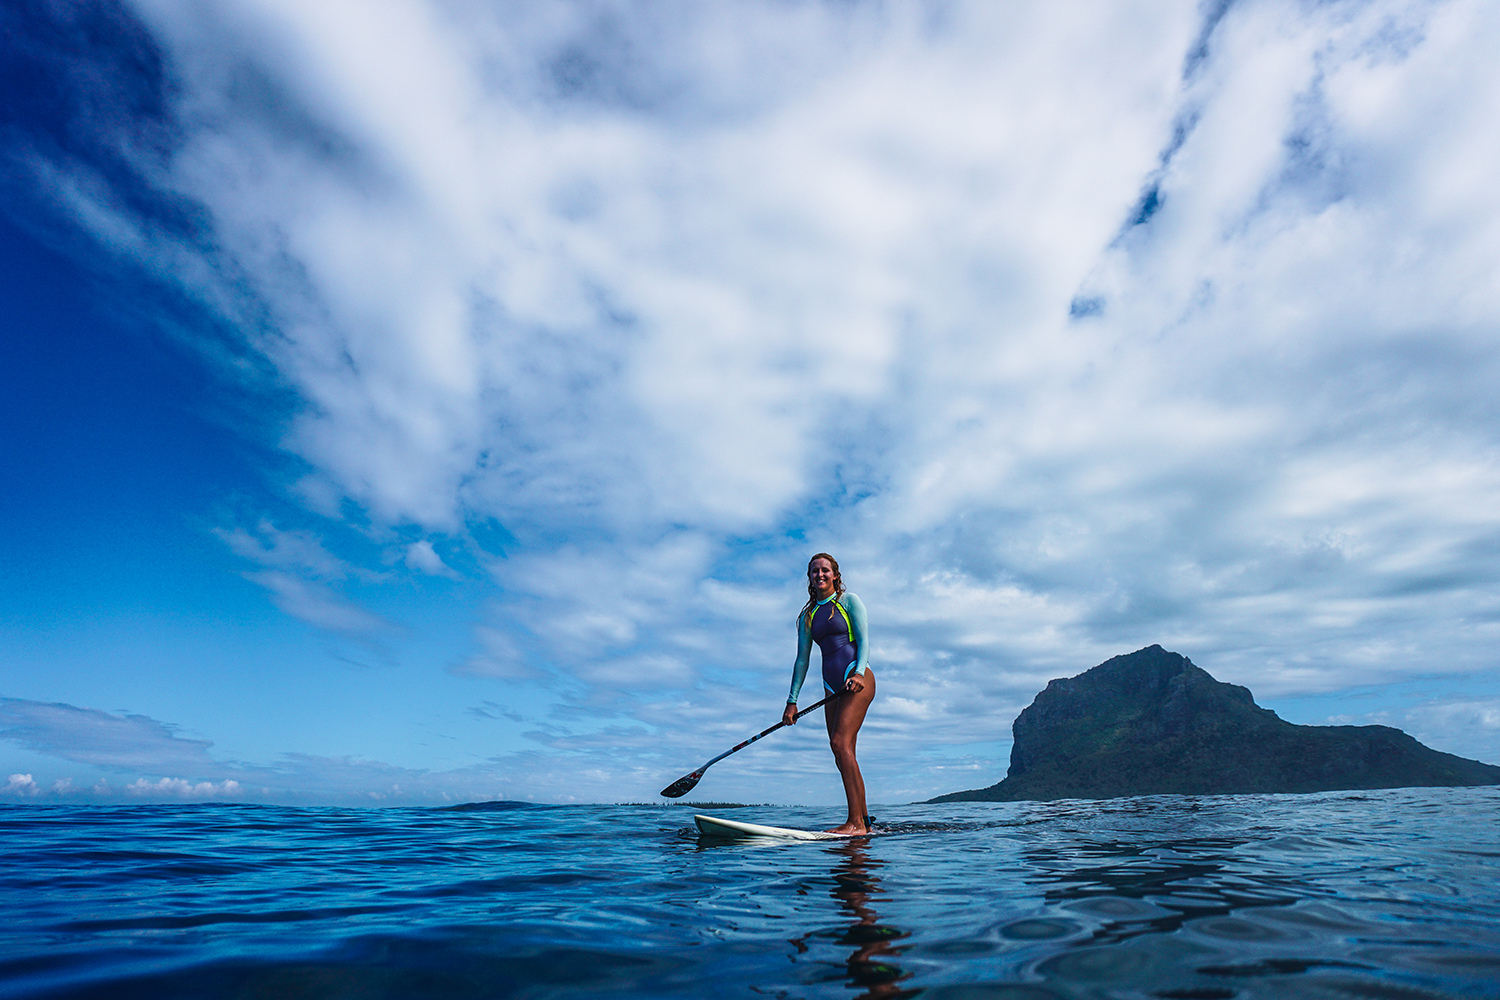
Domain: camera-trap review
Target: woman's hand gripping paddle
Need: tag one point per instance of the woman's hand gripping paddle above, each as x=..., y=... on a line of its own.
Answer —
x=687, y=782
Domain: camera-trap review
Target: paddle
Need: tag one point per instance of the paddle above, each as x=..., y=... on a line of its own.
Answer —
x=687, y=782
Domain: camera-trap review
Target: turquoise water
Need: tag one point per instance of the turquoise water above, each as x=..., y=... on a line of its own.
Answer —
x=1389, y=894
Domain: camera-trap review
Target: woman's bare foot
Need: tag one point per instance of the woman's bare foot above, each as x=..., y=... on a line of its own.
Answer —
x=849, y=830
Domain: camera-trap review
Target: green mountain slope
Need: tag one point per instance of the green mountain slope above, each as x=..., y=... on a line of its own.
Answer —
x=1150, y=722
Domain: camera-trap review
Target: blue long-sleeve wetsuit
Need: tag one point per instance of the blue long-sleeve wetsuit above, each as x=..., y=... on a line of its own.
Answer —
x=840, y=629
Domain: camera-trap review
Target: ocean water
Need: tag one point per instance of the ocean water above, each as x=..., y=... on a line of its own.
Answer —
x=1387, y=894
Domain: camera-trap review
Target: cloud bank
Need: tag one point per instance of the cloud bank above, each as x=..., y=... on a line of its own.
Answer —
x=1068, y=330
x=142, y=758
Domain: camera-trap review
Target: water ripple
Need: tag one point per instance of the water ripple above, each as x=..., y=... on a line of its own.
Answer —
x=1387, y=894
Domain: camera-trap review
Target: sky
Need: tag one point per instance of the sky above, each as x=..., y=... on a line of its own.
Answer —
x=421, y=402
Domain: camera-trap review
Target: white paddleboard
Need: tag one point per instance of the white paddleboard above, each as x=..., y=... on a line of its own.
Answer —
x=713, y=826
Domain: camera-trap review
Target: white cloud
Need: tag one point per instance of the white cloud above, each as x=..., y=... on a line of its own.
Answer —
x=182, y=789
x=1470, y=728
x=142, y=749
x=300, y=574
x=1484, y=714
x=318, y=605
x=297, y=551
x=499, y=655
x=678, y=295
x=20, y=784
x=90, y=736
x=421, y=556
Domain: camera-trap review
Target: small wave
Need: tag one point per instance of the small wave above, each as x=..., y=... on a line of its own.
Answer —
x=496, y=805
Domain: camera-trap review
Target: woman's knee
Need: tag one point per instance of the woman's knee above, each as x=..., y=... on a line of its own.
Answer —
x=843, y=749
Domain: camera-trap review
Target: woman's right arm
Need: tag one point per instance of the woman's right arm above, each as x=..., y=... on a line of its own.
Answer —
x=799, y=670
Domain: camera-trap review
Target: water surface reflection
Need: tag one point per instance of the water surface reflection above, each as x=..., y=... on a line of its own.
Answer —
x=871, y=966
x=1155, y=887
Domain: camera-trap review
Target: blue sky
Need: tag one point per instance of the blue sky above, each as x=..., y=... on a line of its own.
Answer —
x=441, y=403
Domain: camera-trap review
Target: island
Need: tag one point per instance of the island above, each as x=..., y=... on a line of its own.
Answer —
x=1152, y=723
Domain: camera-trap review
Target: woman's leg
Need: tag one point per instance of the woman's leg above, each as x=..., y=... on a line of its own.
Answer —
x=843, y=716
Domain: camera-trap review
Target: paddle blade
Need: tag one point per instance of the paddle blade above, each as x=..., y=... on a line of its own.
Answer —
x=683, y=785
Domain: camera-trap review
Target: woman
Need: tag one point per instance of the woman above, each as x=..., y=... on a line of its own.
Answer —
x=835, y=620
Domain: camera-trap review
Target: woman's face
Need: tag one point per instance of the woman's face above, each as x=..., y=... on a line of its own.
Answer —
x=820, y=575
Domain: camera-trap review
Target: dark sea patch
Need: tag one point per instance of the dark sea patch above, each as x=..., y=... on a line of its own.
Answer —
x=1382, y=894
x=495, y=805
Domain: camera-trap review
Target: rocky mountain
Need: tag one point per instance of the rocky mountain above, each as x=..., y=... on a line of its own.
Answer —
x=1150, y=722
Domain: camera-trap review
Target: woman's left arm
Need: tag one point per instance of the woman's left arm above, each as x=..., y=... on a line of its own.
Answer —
x=860, y=623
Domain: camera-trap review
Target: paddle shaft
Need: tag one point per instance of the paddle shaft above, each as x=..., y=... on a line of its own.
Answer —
x=689, y=781
x=768, y=732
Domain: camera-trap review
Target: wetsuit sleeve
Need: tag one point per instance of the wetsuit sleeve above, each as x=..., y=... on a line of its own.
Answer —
x=860, y=624
x=804, y=652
